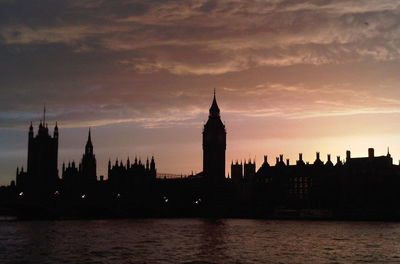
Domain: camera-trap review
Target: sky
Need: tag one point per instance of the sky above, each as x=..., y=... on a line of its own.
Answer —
x=290, y=76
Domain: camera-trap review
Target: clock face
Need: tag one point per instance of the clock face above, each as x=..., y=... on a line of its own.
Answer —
x=211, y=137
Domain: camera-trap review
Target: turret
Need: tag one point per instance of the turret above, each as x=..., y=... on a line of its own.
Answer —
x=318, y=160
x=30, y=131
x=338, y=161
x=89, y=145
x=55, y=134
x=329, y=162
x=265, y=161
x=153, y=171
x=152, y=164
x=300, y=161
x=348, y=156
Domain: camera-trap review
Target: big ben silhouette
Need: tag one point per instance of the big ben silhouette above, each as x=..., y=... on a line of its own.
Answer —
x=214, y=146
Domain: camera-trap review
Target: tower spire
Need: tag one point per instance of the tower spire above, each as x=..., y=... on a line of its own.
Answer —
x=89, y=145
x=89, y=136
x=214, y=109
x=44, y=114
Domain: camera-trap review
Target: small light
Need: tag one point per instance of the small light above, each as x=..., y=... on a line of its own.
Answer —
x=21, y=194
x=83, y=196
x=56, y=193
x=165, y=199
x=118, y=195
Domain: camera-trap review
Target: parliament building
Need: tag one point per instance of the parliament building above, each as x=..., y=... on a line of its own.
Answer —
x=355, y=188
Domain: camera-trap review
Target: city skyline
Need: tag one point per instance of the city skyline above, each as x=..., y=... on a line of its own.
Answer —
x=318, y=189
x=271, y=159
x=291, y=77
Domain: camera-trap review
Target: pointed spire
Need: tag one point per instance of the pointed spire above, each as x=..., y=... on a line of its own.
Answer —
x=89, y=145
x=214, y=109
x=44, y=114
x=89, y=136
x=55, y=133
x=30, y=133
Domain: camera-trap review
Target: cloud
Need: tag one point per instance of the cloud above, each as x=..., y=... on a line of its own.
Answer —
x=155, y=62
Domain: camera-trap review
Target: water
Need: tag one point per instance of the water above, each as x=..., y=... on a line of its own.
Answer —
x=198, y=241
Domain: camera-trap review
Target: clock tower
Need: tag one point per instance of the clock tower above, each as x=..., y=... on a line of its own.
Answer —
x=214, y=146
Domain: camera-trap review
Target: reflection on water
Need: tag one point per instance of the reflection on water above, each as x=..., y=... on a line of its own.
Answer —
x=198, y=241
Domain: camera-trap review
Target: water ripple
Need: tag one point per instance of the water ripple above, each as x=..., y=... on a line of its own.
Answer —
x=198, y=241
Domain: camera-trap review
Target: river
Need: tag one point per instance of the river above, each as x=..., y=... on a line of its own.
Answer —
x=197, y=241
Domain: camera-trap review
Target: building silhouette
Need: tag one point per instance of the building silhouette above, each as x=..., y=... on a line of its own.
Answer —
x=41, y=177
x=214, y=146
x=354, y=188
x=88, y=164
x=81, y=178
x=123, y=178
